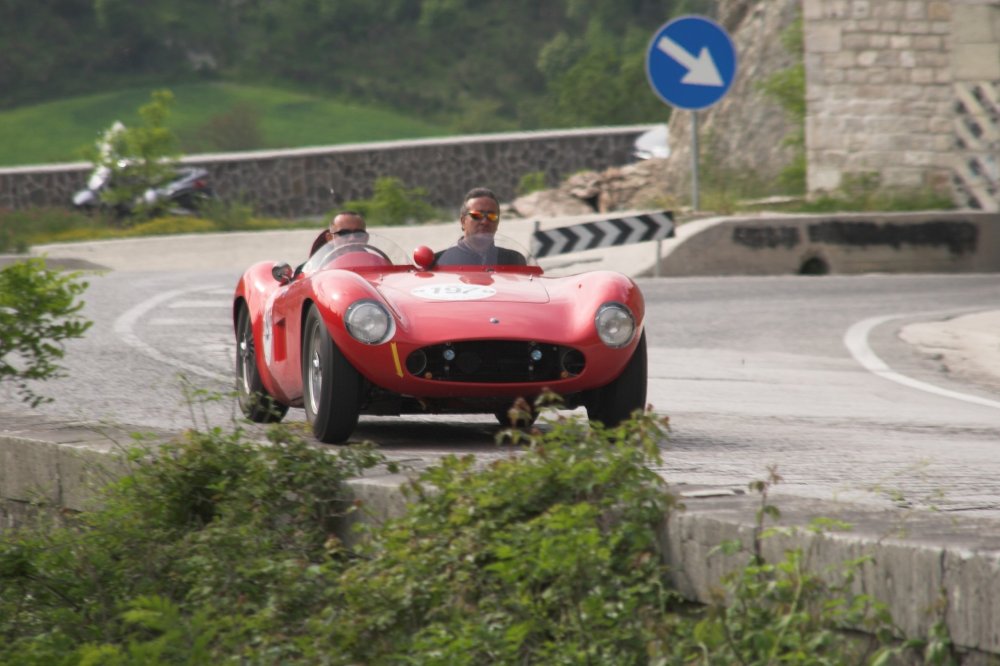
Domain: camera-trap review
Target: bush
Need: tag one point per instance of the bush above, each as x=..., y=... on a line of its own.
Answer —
x=20, y=229
x=38, y=311
x=531, y=182
x=547, y=557
x=393, y=204
x=137, y=158
x=215, y=545
x=221, y=550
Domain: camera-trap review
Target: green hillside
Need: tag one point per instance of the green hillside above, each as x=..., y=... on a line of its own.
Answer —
x=207, y=117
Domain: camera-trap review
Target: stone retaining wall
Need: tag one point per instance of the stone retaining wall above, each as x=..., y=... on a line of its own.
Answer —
x=293, y=183
x=907, y=90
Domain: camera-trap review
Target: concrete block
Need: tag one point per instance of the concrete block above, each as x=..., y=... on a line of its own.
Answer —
x=973, y=24
x=971, y=597
x=84, y=471
x=976, y=62
x=29, y=470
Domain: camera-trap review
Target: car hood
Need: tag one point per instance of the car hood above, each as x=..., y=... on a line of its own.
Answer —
x=429, y=290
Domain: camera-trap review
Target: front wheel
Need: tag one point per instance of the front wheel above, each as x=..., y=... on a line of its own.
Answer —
x=255, y=402
x=613, y=403
x=331, y=387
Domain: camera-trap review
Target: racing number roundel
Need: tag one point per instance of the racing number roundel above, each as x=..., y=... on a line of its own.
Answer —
x=454, y=292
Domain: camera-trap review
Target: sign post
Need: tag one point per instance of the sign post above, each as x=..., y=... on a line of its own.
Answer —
x=691, y=64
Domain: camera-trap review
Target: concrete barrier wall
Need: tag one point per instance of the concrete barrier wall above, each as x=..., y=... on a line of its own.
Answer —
x=934, y=242
x=293, y=183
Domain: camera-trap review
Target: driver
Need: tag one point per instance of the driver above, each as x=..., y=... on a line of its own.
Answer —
x=479, y=219
x=346, y=227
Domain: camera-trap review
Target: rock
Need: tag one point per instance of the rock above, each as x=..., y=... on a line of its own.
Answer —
x=549, y=203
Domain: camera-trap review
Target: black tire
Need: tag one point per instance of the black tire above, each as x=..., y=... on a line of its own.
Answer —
x=255, y=402
x=613, y=403
x=331, y=387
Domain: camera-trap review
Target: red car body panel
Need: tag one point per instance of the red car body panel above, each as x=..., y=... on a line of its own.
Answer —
x=432, y=307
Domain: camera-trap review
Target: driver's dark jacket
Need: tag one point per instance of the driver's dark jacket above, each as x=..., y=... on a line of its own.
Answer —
x=460, y=254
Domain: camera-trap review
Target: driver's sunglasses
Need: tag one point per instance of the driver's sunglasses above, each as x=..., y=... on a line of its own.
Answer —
x=479, y=215
x=348, y=232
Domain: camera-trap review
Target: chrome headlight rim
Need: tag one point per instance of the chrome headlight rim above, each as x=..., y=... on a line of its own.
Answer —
x=369, y=322
x=605, y=319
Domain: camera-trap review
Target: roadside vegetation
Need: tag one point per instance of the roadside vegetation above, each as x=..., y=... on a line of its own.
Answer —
x=39, y=311
x=220, y=549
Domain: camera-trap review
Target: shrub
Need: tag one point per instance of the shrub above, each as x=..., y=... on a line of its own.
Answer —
x=531, y=182
x=38, y=311
x=137, y=158
x=543, y=557
x=393, y=203
x=218, y=549
x=214, y=544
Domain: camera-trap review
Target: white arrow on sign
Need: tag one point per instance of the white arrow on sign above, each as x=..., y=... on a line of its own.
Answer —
x=701, y=70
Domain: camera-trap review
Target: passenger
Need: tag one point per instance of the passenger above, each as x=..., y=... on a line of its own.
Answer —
x=347, y=226
x=479, y=219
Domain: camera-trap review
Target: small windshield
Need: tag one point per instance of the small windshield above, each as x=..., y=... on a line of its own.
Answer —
x=356, y=251
x=484, y=250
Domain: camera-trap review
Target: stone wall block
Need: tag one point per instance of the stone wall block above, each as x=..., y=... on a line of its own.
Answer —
x=977, y=61
x=973, y=24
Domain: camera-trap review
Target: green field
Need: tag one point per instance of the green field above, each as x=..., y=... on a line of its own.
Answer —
x=261, y=117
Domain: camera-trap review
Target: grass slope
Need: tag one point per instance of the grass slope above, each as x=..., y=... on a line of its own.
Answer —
x=58, y=131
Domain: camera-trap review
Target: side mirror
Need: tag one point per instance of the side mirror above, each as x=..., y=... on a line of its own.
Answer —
x=423, y=257
x=282, y=273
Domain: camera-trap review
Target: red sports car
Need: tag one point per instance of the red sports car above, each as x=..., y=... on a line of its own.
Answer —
x=360, y=329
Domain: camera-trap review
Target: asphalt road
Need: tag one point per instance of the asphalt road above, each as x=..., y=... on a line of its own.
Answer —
x=752, y=372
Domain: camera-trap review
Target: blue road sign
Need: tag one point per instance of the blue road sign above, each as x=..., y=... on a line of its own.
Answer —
x=691, y=62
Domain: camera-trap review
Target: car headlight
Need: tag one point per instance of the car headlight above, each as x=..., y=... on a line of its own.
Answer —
x=369, y=322
x=615, y=324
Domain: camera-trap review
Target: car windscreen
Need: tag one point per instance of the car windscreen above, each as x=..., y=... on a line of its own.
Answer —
x=356, y=251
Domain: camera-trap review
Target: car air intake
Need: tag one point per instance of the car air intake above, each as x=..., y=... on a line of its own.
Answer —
x=497, y=361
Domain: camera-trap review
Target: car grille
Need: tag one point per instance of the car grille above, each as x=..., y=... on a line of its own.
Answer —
x=495, y=361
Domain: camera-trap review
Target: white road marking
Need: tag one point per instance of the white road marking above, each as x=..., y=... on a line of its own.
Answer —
x=124, y=327
x=218, y=305
x=856, y=341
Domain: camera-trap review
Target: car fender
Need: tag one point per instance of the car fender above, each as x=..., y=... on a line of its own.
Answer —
x=588, y=292
x=255, y=288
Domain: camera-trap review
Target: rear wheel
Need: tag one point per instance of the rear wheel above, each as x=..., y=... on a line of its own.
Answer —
x=331, y=387
x=613, y=403
x=255, y=402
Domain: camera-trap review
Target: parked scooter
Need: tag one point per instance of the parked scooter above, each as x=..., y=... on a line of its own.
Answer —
x=183, y=193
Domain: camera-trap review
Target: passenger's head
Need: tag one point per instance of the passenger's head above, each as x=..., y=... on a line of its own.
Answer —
x=480, y=215
x=347, y=226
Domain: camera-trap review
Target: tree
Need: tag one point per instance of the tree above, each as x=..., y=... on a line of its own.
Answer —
x=38, y=311
x=137, y=158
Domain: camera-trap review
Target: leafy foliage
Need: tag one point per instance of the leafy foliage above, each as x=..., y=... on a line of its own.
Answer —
x=393, y=203
x=216, y=545
x=38, y=311
x=531, y=182
x=788, y=88
x=472, y=65
x=544, y=557
x=137, y=158
x=218, y=549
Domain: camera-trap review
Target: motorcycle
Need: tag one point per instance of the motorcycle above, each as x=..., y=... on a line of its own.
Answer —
x=185, y=191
